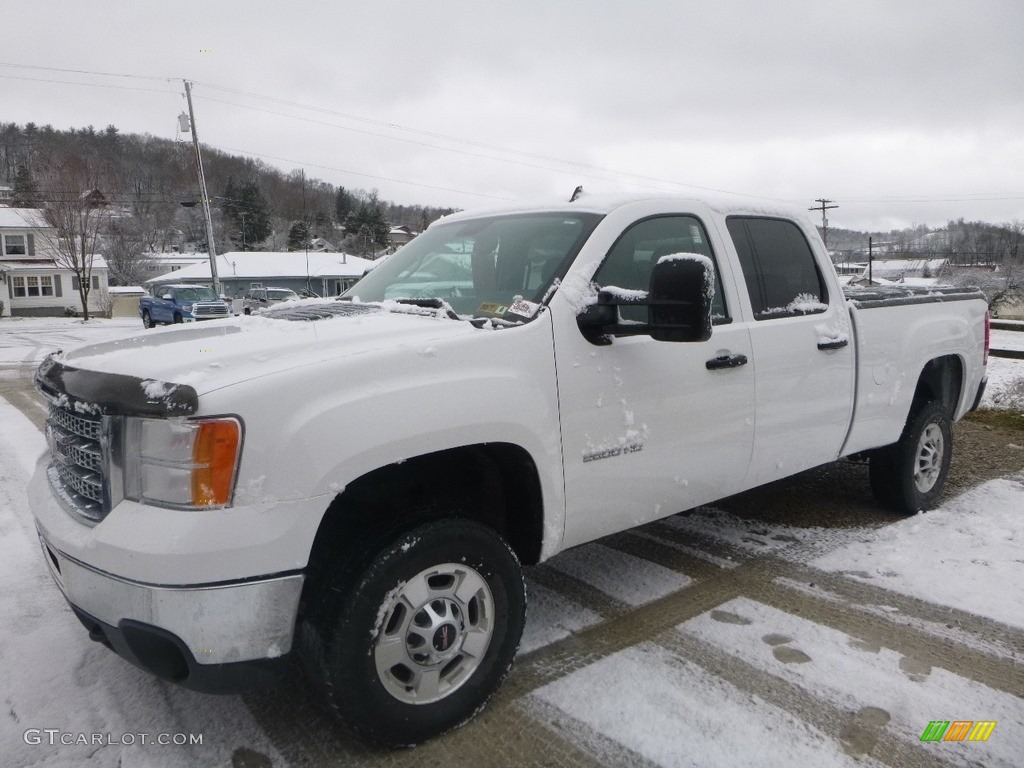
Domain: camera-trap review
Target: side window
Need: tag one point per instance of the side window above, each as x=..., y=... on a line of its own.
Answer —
x=629, y=262
x=779, y=268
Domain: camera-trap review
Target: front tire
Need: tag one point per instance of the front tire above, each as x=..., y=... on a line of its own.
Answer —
x=417, y=643
x=177, y=318
x=910, y=475
x=147, y=319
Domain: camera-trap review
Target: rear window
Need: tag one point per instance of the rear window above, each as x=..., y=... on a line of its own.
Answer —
x=779, y=268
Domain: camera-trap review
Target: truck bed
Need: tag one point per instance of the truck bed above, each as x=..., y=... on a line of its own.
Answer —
x=900, y=295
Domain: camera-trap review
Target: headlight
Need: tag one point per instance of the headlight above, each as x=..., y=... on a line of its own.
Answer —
x=187, y=307
x=189, y=464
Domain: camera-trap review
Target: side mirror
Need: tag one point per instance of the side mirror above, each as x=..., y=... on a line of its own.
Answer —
x=167, y=297
x=680, y=296
x=678, y=303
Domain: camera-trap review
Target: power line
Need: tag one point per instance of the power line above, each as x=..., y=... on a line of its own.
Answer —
x=357, y=173
x=84, y=71
x=454, y=139
x=950, y=199
x=90, y=85
x=393, y=126
x=411, y=141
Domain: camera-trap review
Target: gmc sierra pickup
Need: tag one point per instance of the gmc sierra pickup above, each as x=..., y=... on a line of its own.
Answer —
x=357, y=481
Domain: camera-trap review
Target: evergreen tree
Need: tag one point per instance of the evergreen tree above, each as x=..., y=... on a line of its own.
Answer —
x=298, y=236
x=25, y=193
x=248, y=212
x=344, y=202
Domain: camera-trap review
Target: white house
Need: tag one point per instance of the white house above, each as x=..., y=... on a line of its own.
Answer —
x=32, y=282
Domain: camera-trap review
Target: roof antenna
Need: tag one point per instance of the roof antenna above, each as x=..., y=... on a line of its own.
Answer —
x=576, y=193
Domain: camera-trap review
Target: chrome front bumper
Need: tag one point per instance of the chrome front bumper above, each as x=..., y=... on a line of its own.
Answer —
x=219, y=623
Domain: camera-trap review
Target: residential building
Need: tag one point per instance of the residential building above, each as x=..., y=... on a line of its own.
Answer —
x=32, y=281
x=401, y=235
x=326, y=274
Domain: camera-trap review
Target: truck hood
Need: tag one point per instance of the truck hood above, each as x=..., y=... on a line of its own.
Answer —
x=218, y=353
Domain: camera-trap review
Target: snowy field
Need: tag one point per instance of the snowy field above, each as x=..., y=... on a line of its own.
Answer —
x=833, y=647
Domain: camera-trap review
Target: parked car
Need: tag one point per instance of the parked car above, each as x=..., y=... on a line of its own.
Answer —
x=182, y=304
x=358, y=482
x=258, y=299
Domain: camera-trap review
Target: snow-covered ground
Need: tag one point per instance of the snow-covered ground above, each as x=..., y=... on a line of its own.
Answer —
x=744, y=681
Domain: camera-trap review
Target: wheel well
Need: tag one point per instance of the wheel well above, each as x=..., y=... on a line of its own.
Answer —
x=940, y=380
x=494, y=483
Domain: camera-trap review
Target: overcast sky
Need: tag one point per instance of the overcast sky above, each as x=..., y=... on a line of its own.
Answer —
x=908, y=112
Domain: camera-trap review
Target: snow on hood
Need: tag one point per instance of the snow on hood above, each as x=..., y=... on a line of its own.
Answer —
x=217, y=353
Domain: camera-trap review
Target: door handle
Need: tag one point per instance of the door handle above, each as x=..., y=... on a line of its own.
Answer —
x=725, y=361
x=833, y=344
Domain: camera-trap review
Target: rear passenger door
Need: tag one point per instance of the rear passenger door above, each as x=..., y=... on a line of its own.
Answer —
x=802, y=351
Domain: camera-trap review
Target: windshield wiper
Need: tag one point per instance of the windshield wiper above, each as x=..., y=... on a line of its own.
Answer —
x=431, y=303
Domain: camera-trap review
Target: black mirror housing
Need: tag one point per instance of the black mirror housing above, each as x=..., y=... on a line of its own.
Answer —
x=678, y=303
x=679, y=300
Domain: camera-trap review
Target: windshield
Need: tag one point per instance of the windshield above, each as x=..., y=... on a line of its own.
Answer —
x=199, y=293
x=281, y=294
x=480, y=266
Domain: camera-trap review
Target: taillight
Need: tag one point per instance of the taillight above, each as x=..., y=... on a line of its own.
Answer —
x=988, y=336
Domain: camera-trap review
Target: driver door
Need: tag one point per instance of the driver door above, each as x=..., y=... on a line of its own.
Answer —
x=651, y=428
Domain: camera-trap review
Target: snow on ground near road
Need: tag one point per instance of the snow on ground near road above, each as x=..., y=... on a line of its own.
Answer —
x=674, y=713
x=853, y=675
x=1001, y=339
x=969, y=553
x=551, y=617
x=31, y=339
x=52, y=676
x=624, y=577
x=1005, y=375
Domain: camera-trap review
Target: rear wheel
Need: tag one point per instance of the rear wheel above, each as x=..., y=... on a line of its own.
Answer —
x=909, y=475
x=177, y=318
x=417, y=642
x=147, y=319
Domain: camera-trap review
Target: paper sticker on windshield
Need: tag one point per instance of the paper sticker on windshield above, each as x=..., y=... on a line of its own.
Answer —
x=695, y=233
x=491, y=308
x=524, y=308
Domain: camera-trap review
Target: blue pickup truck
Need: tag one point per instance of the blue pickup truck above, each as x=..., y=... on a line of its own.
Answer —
x=181, y=304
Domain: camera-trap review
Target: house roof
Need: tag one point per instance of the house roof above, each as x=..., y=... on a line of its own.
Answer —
x=906, y=267
x=11, y=218
x=126, y=290
x=48, y=265
x=265, y=265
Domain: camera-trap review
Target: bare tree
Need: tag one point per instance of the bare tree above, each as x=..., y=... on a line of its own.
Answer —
x=128, y=261
x=78, y=214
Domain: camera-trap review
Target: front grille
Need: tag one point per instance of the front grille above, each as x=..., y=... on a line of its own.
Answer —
x=76, y=466
x=209, y=310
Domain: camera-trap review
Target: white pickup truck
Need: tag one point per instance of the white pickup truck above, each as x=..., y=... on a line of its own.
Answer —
x=357, y=481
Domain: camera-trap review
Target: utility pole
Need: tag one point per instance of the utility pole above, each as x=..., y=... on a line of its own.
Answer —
x=202, y=190
x=871, y=260
x=824, y=206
